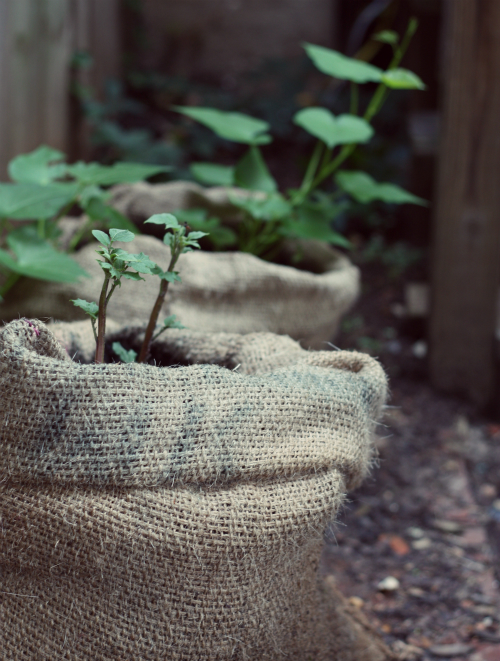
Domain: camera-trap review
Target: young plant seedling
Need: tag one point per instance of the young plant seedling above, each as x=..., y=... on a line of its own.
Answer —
x=116, y=264
x=180, y=242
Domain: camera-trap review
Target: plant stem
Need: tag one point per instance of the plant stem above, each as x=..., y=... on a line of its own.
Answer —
x=375, y=105
x=101, y=320
x=155, y=312
x=313, y=164
x=354, y=99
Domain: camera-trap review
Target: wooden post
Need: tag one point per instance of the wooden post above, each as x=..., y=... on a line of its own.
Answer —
x=466, y=260
x=37, y=41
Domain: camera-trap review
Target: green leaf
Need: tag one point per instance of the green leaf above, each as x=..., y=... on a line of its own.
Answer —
x=169, y=276
x=364, y=189
x=92, y=309
x=171, y=322
x=38, y=166
x=33, y=202
x=272, y=207
x=337, y=65
x=234, y=126
x=102, y=213
x=194, y=236
x=166, y=219
x=130, y=275
x=402, y=79
x=101, y=237
x=313, y=221
x=37, y=258
x=119, y=173
x=124, y=355
x=387, y=37
x=212, y=174
x=341, y=130
x=252, y=172
x=124, y=236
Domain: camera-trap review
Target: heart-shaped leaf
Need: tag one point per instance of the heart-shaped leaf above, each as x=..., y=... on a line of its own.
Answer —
x=337, y=65
x=234, y=126
x=344, y=129
x=119, y=173
x=253, y=173
x=26, y=201
x=364, y=189
x=38, y=167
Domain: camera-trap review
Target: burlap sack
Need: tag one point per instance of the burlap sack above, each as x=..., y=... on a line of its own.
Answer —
x=177, y=513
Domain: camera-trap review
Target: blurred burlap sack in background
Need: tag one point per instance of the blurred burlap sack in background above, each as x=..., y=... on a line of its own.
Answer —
x=221, y=292
x=178, y=513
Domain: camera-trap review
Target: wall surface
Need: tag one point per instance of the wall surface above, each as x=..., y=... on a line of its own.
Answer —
x=230, y=36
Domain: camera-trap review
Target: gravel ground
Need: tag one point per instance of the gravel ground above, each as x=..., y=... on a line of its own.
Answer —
x=417, y=547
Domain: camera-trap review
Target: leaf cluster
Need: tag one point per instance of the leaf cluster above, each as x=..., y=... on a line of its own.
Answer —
x=268, y=216
x=43, y=189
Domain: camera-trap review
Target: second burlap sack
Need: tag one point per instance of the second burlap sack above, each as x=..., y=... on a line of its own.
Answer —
x=229, y=291
x=177, y=513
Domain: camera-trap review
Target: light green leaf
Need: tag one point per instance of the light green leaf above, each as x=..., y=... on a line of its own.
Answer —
x=38, y=259
x=91, y=309
x=101, y=237
x=119, y=173
x=387, y=37
x=364, y=189
x=124, y=236
x=234, y=126
x=169, y=276
x=337, y=65
x=341, y=130
x=166, y=219
x=38, y=167
x=402, y=79
x=252, y=173
x=171, y=322
x=194, y=236
x=212, y=174
x=122, y=353
x=33, y=202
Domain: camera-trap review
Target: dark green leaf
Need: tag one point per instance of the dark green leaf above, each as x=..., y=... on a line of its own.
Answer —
x=33, y=201
x=130, y=275
x=38, y=166
x=101, y=237
x=402, y=79
x=233, y=126
x=124, y=236
x=341, y=130
x=269, y=208
x=252, y=172
x=37, y=258
x=169, y=276
x=337, y=65
x=122, y=353
x=119, y=173
x=102, y=213
x=364, y=189
x=212, y=174
x=91, y=309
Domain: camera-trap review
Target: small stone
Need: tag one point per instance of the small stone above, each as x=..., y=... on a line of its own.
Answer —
x=416, y=533
x=419, y=349
x=496, y=504
x=357, y=602
x=416, y=592
x=447, y=526
x=388, y=584
x=421, y=544
x=449, y=651
x=407, y=652
x=487, y=491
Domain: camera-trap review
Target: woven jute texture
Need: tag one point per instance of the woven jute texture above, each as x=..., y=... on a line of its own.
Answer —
x=177, y=513
x=221, y=292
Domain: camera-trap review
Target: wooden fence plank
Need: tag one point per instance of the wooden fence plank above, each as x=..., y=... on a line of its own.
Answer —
x=466, y=262
x=37, y=41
